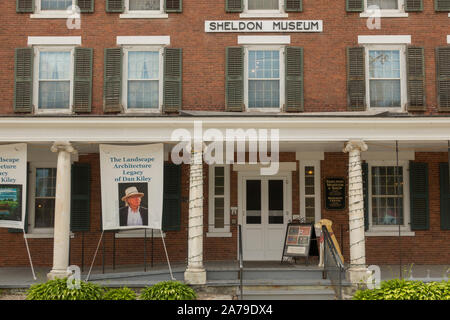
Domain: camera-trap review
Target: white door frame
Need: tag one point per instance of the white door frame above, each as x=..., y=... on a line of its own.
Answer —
x=282, y=175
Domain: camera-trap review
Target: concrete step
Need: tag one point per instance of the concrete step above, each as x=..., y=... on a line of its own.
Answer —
x=267, y=273
x=280, y=294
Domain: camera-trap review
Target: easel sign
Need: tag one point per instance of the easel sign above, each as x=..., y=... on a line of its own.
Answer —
x=298, y=239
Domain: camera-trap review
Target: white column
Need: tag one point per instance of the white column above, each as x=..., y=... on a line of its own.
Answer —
x=62, y=211
x=358, y=269
x=195, y=272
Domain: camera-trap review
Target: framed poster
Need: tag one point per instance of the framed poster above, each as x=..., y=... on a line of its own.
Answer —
x=298, y=239
x=335, y=194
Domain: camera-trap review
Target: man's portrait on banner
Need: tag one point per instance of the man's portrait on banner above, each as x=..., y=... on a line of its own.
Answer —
x=133, y=201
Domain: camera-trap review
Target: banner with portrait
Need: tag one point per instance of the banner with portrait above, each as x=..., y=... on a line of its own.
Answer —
x=13, y=185
x=132, y=186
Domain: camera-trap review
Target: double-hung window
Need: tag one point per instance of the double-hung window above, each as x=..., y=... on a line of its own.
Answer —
x=54, y=9
x=384, y=8
x=264, y=83
x=142, y=90
x=144, y=9
x=264, y=8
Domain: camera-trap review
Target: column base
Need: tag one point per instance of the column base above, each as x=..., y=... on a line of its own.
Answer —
x=58, y=274
x=357, y=275
x=195, y=276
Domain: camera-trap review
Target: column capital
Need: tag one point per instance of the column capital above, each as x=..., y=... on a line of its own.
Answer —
x=62, y=146
x=355, y=145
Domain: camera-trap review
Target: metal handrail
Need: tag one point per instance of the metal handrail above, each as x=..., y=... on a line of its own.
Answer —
x=241, y=263
x=337, y=263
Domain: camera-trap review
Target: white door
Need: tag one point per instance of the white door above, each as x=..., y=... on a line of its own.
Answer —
x=265, y=214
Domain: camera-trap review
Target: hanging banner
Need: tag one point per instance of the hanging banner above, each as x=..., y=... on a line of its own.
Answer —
x=132, y=186
x=13, y=185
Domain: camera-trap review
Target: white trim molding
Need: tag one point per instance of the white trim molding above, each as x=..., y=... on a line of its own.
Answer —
x=143, y=40
x=448, y=37
x=54, y=41
x=385, y=39
x=264, y=39
x=283, y=166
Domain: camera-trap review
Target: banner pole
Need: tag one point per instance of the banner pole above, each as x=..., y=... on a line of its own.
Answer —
x=92, y=264
x=167, y=256
x=29, y=255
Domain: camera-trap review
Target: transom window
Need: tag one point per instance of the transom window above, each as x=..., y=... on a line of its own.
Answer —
x=44, y=209
x=142, y=83
x=264, y=78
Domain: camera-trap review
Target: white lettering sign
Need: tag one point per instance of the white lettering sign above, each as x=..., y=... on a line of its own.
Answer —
x=264, y=26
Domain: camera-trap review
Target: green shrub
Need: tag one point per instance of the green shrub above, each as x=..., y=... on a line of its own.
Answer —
x=120, y=294
x=58, y=290
x=168, y=290
x=406, y=290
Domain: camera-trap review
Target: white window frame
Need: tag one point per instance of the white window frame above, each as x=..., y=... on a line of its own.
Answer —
x=317, y=191
x=387, y=230
x=403, y=75
x=143, y=14
x=280, y=13
x=212, y=230
x=37, y=51
x=248, y=48
x=52, y=14
x=385, y=13
x=126, y=49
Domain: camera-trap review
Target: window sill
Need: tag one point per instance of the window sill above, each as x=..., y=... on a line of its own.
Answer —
x=143, y=16
x=264, y=15
x=51, y=16
x=143, y=110
x=393, y=233
x=218, y=235
x=43, y=235
x=138, y=234
x=384, y=15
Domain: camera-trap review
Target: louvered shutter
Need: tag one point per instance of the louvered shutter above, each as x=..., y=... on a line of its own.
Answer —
x=24, y=194
x=112, y=87
x=23, y=80
x=355, y=5
x=173, y=5
x=82, y=87
x=365, y=178
x=442, y=5
x=416, y=78
x=445, y=196
x=413, y=5
x=443, y=78
x=356, y=82
x=294, y=79
x=419, y=207
x=25, y=6
x=171, y=220
x=173, y=78
x=86, y=6
x=234, y=5
x=293, y=5
x=234, y=84
x=115, y=6
x=80, y=197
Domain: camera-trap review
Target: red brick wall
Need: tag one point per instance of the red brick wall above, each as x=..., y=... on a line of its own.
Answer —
x=204, y=53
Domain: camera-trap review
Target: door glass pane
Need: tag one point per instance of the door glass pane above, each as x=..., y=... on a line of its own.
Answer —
x=276, y=202
x=253, y=200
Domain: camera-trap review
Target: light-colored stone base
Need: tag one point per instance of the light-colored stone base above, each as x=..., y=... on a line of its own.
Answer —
x=357, y=276
x=58, y=274
x=195, y=276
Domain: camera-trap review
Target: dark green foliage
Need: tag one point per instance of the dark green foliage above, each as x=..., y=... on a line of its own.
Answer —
x=406, y=290
x=120, y=294
x=58, y=290
x=168, y=290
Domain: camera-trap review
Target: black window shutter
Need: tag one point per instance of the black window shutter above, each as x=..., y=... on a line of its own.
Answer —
x=171, y=220
x=112, y=82
x=24, y=194
x=356, y=81
x=419, y=206
x=173, y=79
x=115, y=6
x=23, y=80
x=413, y=5
x=82, y=93
x=415, y=61
x=234, y=5
x=293, y=5
x=173, y=5
x=355, y=5
x=443, y=77
x=442, y=5
x=365, y=178
x=86, y=6
x=80, y=197
x=445, y=196
x=234, y=82
x=294, y=79
x=25, y=6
